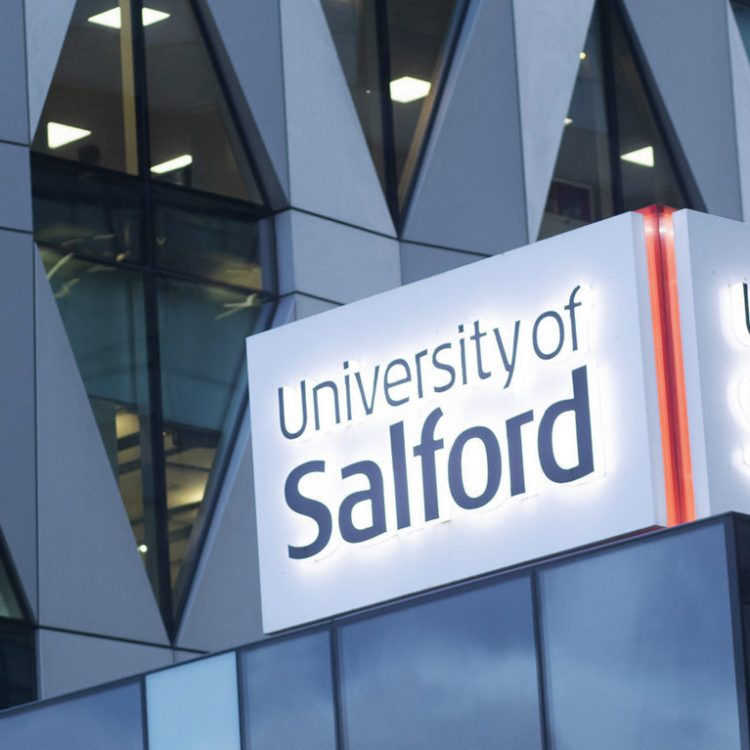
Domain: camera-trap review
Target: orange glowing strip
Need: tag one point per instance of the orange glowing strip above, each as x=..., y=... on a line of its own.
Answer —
x=670, y=372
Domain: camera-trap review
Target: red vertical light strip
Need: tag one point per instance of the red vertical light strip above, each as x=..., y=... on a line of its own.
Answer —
x=670, y=371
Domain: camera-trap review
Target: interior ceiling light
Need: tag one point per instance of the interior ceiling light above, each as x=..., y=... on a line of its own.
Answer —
x=568, y=121
x=582, y=55
x=641, y=156
x=112, y=18
x=408, y=89
x=60, y=135
x=184, y=160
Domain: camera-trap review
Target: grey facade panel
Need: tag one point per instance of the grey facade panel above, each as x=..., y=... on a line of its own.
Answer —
x=69, y=662
x=330, y=168
x=46, y=26
x=305, y=306
x=14, y=119
x=687, y=53
x=15, y=187
x=741, y=89
x=249, y=33
x=228, y=578
x=420, y=261
x=17, y=439
x=469, y=193
x=91, y=578
x=333, y=261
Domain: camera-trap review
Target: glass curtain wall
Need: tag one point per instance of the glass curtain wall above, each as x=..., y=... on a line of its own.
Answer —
x=613, y=156
x=151, y=226
x=394, y=53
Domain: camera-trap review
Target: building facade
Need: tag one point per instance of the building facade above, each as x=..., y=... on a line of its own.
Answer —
x=180, y=177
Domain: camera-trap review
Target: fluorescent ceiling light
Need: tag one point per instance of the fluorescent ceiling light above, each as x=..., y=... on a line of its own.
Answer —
x=568, y=121
x=60, y=135
x=112, y=18
x=185, y=160
x=642, y=156
x=408, y=89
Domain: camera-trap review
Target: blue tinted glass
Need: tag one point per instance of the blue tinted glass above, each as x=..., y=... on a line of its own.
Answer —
x=194, y=707
x=458, y=672
x=291, y=678
x=109, y=720
x=638, y=647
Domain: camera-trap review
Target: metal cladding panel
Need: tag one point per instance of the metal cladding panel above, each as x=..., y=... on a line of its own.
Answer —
x=227, y=579
x=741, y=89
x=686, y=51
x=250, y=35
x=420, y=261
x=549, y=38
x=331, y=171
x=46, y=27
x=69, y=662
x=469, y=192
x=91, y=578
x=14, y=120
x=331, y=260
x=17, y=439
x=15, y=187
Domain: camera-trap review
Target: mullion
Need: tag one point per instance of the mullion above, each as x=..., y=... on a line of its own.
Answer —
x=153, y=353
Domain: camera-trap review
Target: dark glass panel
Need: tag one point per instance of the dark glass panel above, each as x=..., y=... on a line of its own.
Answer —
x=354, y=29
x=581, y=189
x=107, y=720
x=102, y=307
x=289, y=678
x=209, y=237
x=193, y=138
x=202, y=331
x=17, y=668
x=85, y=211
x=638, y=647
x=742, y=535
x=9, y=604
x=455, y=672
x=89, y=115
x=742, y=14
x=647, y=173
x=417, y=34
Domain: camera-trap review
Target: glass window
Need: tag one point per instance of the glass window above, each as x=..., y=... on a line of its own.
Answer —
x=193, y=140
x=392, y=53
x=455, y=672
x=612, y=156
x=194, y=706
x=159, y=273
x=9, y=604
x=288, y=695
x=89, y=115
x=17, y=666
x=742, y=14
x=107, y=720
x=202, y=333
x=638, y=646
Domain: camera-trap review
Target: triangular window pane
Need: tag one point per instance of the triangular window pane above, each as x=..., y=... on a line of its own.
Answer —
x=193, y=140
x=10, y=606
x=89, y=115
x=613, y=156
x=742, y=14
x=393, y=54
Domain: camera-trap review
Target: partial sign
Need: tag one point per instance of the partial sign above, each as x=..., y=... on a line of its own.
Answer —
x=485, y=417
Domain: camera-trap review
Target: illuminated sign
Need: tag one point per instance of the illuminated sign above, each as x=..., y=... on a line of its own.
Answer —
x=476, y=420
x=713, y=271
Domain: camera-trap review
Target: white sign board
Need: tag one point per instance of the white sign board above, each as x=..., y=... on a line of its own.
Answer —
x=485, y=417
x=713, y=271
